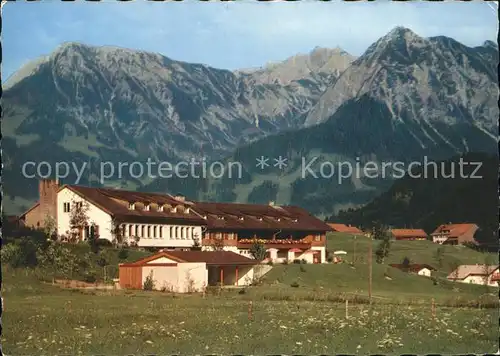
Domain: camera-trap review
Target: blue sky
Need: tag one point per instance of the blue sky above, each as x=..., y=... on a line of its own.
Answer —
x=233, y=35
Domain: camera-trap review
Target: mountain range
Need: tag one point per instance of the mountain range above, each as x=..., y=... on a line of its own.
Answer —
x=406, y=97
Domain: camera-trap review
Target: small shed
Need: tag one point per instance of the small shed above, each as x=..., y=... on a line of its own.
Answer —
x=188, y=271
x=420, y=269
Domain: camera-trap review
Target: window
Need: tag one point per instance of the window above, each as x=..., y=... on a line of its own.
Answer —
x=182, y=233
x=142, y=230
x=146, y=207
x=91, y=230
x=171, y=231
x=154, y=231
x=160, y=230
x=79, y=205
x=136, y=230
x=160, y=207
x=187, y=210
x=130, y=230
x=66, y=207
x=317, y=238
x=177, y=232
x=149, y=231
x=131, y=206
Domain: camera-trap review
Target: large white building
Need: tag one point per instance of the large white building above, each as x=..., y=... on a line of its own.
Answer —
x=172, y=222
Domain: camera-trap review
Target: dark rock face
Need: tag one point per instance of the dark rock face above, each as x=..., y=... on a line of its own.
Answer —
x=404, y=98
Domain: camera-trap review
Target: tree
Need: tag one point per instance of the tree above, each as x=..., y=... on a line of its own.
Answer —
x=58, y=260
x=196, y=244
x=488, y=262
x=258, y=251
x=78, y=219
x=50, y=227
x=117, y=233
x=380, y=232
x=93, y=238
x=455, y=269
x=383, y=250
x=217, y=243
x=439, y=255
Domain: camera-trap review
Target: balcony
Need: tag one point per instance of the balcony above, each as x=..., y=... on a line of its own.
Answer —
x=279, y=244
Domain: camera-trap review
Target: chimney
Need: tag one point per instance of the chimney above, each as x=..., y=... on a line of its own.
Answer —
x=47, y=191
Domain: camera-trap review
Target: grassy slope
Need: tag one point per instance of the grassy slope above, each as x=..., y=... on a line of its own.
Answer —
x=342, y=278
x=304, y=320
x=416, y=251
x=42, y=318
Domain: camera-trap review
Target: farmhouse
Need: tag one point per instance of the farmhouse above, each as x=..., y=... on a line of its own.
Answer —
x=345, y=228
x=172, y=222
x=190, y=271
x=455, y=234
x=476, y=274
x=420, y=269
x=408, y=234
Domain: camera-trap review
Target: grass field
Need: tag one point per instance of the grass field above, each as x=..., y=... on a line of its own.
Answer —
x=309, y=318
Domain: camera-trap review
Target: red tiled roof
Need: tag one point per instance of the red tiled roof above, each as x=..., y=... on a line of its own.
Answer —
x=262, y=217
x=456, y=230
x=477, y=270
x=227, y=258
x=408, y=233
x=413, y=267
x=345, y=228
x=104, y=199
x=214, y=215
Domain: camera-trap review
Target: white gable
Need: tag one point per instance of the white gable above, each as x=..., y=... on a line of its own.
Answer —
x=162, y=260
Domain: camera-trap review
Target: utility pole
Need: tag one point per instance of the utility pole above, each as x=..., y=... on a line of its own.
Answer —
x=370, y=270
x=354, y=253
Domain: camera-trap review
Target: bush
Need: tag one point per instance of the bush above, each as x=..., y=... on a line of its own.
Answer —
x=123, y=254
x=90, y=277
x=103, y=243
x=242, y=291
x=270, y=263
x=102, y=261
x=297, y=261
x=21, y=253
x=149, y=283
x=303, y=261
x=329, y=259
x=10, y=253
x=302, y=268
x=294, y=285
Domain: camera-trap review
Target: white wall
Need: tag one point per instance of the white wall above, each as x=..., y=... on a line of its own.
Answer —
x=424, y=272
x=322, y=250
x=192, y=277
x=95, y=215
x=161, y=260
x=183, y=278
x=171, y=235
x=164, y=277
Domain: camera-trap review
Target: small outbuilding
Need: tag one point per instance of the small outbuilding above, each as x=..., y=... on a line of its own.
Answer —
x=420, y=269
x=188, y=271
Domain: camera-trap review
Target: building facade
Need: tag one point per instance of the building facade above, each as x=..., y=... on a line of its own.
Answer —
x=409, y=234
x=455, y=234
x=476, y=274
x=172, y=222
